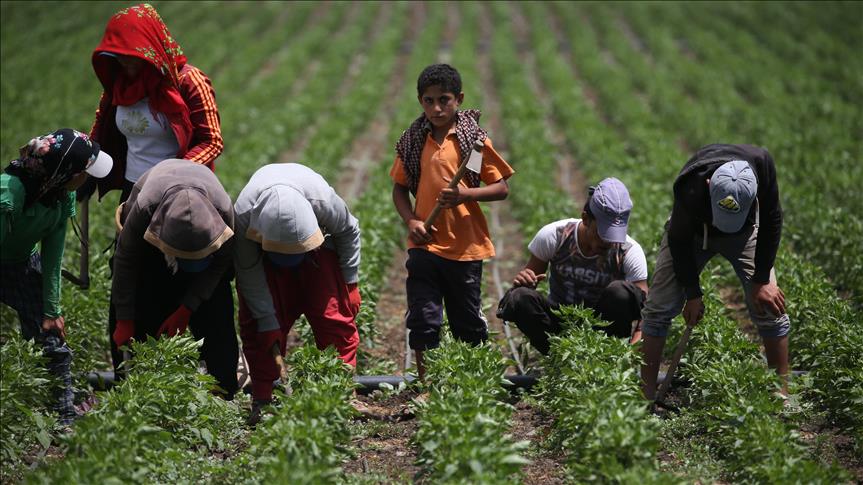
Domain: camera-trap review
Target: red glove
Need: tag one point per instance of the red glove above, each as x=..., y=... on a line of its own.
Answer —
x=262, y=364
x=123, y=332
x=354, y=298
x=176, y=324
x=265, y=341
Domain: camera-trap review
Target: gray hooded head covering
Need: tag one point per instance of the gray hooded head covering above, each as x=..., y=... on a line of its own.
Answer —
x=186, y=225
x=283, y=221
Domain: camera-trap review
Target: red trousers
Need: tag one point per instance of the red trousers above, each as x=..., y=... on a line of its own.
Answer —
x=315, y=289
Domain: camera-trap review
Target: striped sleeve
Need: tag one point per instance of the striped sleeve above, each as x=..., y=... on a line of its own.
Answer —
x=207, y=134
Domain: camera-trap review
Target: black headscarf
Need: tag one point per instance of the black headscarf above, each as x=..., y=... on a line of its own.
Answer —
x=48, y=162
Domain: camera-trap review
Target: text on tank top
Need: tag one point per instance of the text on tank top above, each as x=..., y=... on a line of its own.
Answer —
x=574, y=278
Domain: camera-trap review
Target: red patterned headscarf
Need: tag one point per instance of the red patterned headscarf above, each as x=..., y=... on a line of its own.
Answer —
x=140, y=32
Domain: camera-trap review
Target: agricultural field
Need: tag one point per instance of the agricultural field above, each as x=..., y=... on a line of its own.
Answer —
x=571, y=93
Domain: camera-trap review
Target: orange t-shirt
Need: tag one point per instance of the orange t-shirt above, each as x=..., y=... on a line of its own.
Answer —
x=462, y=232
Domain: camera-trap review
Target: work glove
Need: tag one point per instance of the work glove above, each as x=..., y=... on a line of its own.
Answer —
x=266, y=340
x=354, y=298
x=177, y=323
x=262, y=363
x=123, y=332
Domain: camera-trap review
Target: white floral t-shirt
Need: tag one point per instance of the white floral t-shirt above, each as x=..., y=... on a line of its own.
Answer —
x=150, y=139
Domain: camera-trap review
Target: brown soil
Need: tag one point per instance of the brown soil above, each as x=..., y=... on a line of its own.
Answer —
x=392, y=304
x=384, y=447
x=373, y=146
x=831, y=445
x=565, y=49
x=735, y=304
x=300, y=142
x=545, y=467
x=321, y=10
x=504, y=229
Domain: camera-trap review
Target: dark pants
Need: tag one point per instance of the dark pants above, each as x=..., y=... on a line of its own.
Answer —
x=159, y=294
x=21, y=289
x=433, y=282
x=619, y=303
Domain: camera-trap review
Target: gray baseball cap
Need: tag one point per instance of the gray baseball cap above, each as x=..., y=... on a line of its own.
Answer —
x=733, y=188
x=610, y=205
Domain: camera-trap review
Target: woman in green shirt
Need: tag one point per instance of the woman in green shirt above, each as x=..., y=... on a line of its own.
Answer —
x=36, y=201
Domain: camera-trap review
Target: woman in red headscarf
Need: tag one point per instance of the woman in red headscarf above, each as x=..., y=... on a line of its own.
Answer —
x=154, y=105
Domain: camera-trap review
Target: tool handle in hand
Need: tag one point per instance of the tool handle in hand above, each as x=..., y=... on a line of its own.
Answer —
x=478, y=145
x=453, y=183
x=675, y=359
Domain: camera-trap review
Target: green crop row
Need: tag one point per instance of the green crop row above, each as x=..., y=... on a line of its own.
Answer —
x=826, y=339
x=358, y=102
x=23, y=420
x=383, y=231
x=735, y=399
x=158, y=425
x=590, y=385
x=816, y=314
x=537, y=199
x=459, y=435
x=601, y=420
x=749, y=95
x=269, y=118
x=306, y=440
x=629, y=115
x=162, y=424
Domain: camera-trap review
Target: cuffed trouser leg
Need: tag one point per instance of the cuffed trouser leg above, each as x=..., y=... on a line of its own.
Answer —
x=463, y=301
x=531, y=313
x=425, y=300
x=740, y=252
x=620, y=304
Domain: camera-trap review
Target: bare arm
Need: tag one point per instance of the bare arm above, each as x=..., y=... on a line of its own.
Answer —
x=532, y=274
x=416, y=227
x=459, y=195
x=636, y=334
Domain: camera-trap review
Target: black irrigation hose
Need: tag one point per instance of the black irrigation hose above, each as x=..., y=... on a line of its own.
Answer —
x=105, y=380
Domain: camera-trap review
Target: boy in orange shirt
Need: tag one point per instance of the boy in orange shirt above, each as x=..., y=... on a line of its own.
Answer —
x=445, y=261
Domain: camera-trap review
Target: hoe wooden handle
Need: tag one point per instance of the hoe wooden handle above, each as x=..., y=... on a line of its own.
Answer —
x=675, y=359
x=459, y=174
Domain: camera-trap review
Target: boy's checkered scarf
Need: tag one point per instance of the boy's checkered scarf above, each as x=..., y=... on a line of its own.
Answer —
x=410, y=145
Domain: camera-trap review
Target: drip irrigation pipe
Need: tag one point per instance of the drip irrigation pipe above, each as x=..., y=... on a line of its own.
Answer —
x=105, y=380
x=495, y=273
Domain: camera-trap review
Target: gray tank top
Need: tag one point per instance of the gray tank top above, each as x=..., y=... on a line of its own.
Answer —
x=574, y=278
